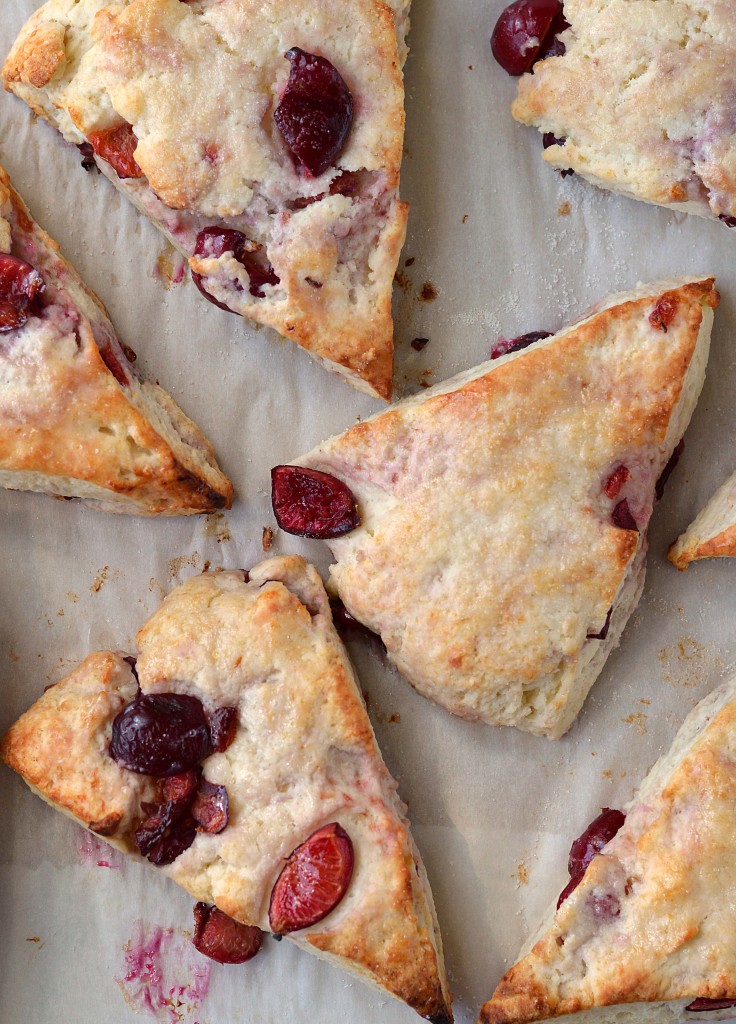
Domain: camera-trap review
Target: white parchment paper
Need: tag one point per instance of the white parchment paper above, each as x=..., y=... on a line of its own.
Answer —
x=509, y=247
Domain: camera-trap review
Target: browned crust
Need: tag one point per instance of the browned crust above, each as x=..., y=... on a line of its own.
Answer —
x=723, y=545
x=37, y=59
x=151, y=478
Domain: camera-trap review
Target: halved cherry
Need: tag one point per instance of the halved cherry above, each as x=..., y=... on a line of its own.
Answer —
x=214, y=242
x=710, y=1004
x=315, y=112
x=223, y=726
x=117, y=146
x=314, y=879
x=505, y=345
x=221, y=938
x=588, y=845
x=160, y=734
x=309, y=503
x=21, y=288
x=210, y=807
x=524, y=30
x=622, y=516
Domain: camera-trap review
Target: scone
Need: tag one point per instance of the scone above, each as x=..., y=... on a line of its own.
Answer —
x=76, y=418
x=641, y=101
x=262, y=137
x=713, y=532
x=497, y=536
x=248, y=666
x=646, y=931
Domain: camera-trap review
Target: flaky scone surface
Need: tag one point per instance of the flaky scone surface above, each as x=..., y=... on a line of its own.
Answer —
x=643, y=100
x=712, y=534
x=304, y=755
x=68, y=423
x=666, y=880
x=199, y=83
x=487, y=551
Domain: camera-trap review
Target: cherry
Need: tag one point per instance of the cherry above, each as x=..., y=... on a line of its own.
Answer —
x=604, y=631
x=160, y=734
x=667, y=471
x=622, y=516
x=711, y=1004
x=505, y=345
x=179, y=838
x=21, y=288
x=731, y=222
x=117, y=146
x=523, y=30
x=588, y=845
x=616, y=481
x=114, y=365
x=214, y=242
x=88, y=157
x=663, y=314
x=210, y=807
x=314, y=879
x=308, y=503
x=315, y=112
x=223, y=726
x=166, y=833
x=180, y=789
x=221, y=938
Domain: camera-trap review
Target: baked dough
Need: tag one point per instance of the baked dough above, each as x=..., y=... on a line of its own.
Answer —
x=76, y=419
x=671, y=874
x=199, y=83
x=304, y=754
x=713, y=532
x=487, y=552
x=642, y=100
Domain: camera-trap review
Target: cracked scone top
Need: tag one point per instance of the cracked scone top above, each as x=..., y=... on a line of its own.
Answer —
x=643, y=101
x=76, y=418
x=303, y=755
x=648, y=933
x=492, y=557
x=199, y=83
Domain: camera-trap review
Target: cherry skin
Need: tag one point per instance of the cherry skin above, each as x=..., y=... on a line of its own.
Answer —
x=522, y=31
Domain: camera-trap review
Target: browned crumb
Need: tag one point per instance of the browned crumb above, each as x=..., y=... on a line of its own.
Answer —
x=216, y=525
x=207, y=566
x=410, y=261
x=267, y=539
x=522, y=873
x=12, y=655
x=564, y=209
x=60, y=613
x=607, y=774
x=395, y=718
x=402, y=281
x=428, y=293
x=465, y=218
x=419, y=343
x=100, y=579
x=72, y=596
x=639, y=720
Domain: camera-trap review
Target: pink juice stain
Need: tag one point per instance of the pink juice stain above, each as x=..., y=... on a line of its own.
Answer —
x=92, y=852
x=164, y=975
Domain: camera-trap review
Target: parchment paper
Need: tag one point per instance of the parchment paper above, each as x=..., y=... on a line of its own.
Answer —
x=509, y=247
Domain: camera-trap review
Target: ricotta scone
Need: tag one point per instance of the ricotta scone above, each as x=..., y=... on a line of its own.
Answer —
x=76, y=418
x=642, y=101
x=303, y=755
x=191, y=89
x=713, y=532
x=504, y=512
x=650, y=928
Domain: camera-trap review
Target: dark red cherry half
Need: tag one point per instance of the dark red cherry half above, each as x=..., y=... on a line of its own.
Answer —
x=315, y=112
x=214, y=242
x=588, y=845
x=505, y=345
x=223, y=726
x=668, y=469
x=117, y=146
x=21, y=288
x=308, y=503
x=522, y=32
x=314, y=879
x=711, y=1004
x=160, y=734
x=210, y=807
x=622, y=516
x=221, y=938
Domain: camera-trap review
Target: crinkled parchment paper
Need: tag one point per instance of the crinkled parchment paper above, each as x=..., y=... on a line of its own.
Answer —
x=499, y=244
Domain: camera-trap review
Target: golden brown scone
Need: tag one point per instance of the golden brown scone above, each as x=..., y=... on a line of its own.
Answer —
x=76, y=419
x=489, y=559
x=199, y=84
x=642, y=101
x=303, y=755
x=650, y=927
x=713, y=532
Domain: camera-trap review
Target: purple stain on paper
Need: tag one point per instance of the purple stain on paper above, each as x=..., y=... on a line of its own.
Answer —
x=164, y=976
x=93, y=852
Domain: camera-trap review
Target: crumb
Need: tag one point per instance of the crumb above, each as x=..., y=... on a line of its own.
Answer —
x=216, y=525
x=470, y=67
x=34, y=938
x=402, y=281
x=12, y=655
x=423, y=381
x=60, y=613
x=100, y=579
x=395, y=718
x=593, y=753
x=267, y=539
x=419, y=343
x=72, y=596
x=643, y=701
x=177, y=564
x=638, y=719
x=410, y=262
x=522, y=873
x=607, y=774
x=428, y=293
x=465, y=219
x=207, y=565
x=564, y=209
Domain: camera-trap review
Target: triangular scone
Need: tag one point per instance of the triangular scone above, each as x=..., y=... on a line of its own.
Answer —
x=76, y=419
x=712, y=534
x=199, y=84
x=650, y=927
x=488, y=558
x=641, y=101
x=303, y=755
